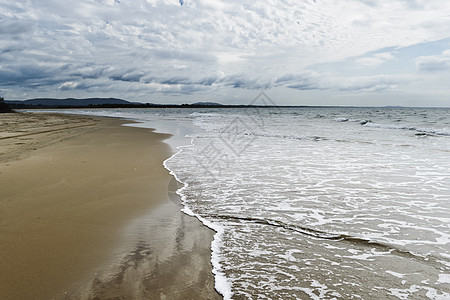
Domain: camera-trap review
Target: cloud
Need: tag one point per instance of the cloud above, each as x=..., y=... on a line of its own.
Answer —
x=243, y=81
x=69, y=85
x=15, y=28
x=184, y=55
x=130, y=75
x=88, y=71
x=30, y=75
x=434, y=63
x=306, y=81
x=319, y=81
x=376, y=59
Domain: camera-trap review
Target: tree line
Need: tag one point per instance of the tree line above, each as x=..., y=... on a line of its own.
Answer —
x=4, y=107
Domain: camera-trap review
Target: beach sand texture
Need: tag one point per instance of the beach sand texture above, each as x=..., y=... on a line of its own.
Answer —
x=85, y=213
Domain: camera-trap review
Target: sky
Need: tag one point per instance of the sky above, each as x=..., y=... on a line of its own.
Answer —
x=302, y=52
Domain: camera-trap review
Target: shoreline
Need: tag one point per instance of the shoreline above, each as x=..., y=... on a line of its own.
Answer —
x=80, y=206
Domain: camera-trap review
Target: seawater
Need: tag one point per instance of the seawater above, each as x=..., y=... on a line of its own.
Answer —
x=318, y=203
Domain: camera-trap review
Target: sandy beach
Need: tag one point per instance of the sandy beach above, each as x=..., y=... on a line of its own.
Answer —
x=86, y=212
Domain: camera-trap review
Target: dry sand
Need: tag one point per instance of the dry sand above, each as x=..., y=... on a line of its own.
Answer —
x=85, y=213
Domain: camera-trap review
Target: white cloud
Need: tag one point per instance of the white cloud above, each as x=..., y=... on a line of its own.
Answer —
x=321, y=81
x=376, y=59
x=434, y=63
x=70, y=85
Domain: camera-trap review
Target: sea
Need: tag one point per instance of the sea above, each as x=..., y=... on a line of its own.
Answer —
x=315, y=202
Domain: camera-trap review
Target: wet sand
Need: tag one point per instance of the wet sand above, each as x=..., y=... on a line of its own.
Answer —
x=86, y=212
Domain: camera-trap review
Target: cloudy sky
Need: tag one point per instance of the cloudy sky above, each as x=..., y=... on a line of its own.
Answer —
x=302, y=52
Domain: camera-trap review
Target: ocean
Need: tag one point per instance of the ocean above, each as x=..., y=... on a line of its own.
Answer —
x=316, y=202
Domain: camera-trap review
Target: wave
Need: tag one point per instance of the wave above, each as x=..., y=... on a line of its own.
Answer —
x=204, y=114
x=360, y=121
x=432, y=132
x=419, y=131
x=319, y=234
x=340, y=119
x=286, y=136
x=268, y=135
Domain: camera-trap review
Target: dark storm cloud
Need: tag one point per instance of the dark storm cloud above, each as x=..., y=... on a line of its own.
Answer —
x=33, y=75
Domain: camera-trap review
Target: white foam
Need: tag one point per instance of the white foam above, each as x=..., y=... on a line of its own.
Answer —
x=388, y=126
x=222, y=284
x=340, y=119
x=398, y=275
x=446, y=255
x=444, y=278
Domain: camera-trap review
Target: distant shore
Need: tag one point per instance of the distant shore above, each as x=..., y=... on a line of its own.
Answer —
x=85, y=213
x=262, y=101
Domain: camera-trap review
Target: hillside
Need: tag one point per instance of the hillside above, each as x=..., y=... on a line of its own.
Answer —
x=70, y=102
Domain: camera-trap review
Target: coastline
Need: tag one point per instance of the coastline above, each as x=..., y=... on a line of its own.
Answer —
x=81, y=199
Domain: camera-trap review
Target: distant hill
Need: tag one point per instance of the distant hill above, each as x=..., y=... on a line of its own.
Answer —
x=207, y=104
x=49, y=103
x=40, y=103
x=70, y=102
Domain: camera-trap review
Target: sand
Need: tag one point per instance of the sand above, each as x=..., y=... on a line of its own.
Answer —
x=86, y=212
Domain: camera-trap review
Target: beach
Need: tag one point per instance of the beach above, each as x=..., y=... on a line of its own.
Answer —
x=87, y=211
x=349, y=203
